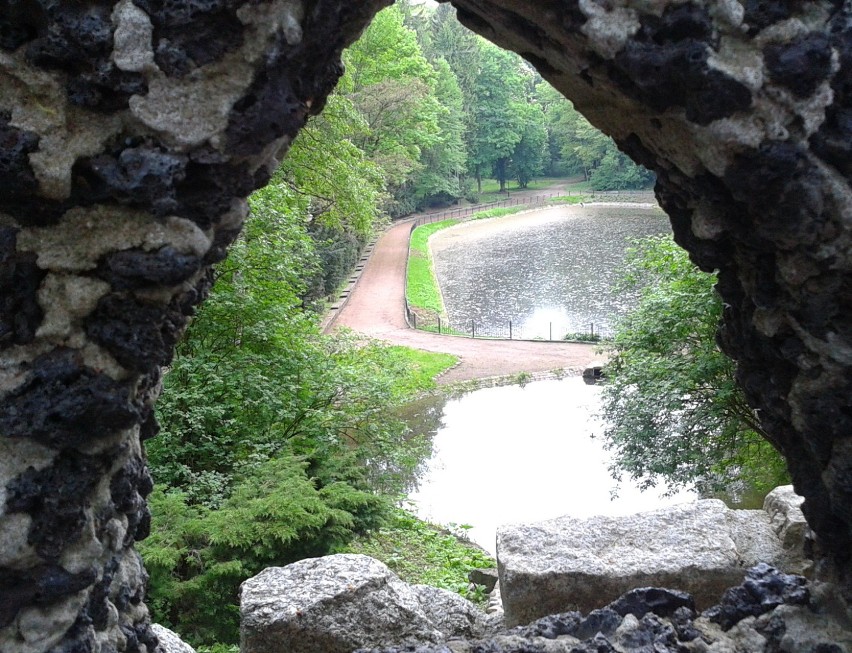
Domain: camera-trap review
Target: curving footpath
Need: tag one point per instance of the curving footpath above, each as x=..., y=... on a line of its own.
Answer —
x=376, y=308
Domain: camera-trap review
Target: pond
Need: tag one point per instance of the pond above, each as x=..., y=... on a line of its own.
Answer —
x=516, y=454
x=550, y=271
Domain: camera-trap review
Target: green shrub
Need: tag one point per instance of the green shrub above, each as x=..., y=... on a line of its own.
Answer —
x=197, y=557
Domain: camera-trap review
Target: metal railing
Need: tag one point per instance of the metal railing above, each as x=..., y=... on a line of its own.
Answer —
x=466, y=212
x=507, y=329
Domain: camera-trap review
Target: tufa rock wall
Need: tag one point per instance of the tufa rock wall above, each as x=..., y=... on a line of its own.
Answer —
x=131, y=132
x=744, y=111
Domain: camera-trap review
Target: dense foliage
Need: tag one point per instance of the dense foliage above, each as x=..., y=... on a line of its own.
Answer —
x=440, y=108
x=277, y=443
x=673, y=408
x=576, y=147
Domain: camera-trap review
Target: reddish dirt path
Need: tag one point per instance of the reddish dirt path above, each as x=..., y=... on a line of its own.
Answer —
x=376, y=308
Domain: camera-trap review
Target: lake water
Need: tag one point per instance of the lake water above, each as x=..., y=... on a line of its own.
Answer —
x=550, y=272
x=511, y=454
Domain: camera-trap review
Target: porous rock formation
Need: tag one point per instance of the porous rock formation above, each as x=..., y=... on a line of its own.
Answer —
x=131, y=132
x=769, y=612
x=702, y=547
x=338, y=603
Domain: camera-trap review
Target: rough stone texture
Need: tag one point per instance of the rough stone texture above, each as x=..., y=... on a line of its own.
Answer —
x=784, y=508
x=130, y=134
x=132, y=130
x=774, y=613
x=743, y=110
x=170, y=642
x=453, y=615
x=583, y=564
x=341, y=602
x=485, y=577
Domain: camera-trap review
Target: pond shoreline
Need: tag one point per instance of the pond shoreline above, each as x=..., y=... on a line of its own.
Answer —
x=540, y=274
x=475, y=229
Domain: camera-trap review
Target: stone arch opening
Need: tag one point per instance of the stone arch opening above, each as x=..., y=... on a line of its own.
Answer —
x=131, y=132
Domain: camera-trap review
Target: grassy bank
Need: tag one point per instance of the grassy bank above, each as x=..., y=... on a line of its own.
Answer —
x=422, y=290
x=421, y=553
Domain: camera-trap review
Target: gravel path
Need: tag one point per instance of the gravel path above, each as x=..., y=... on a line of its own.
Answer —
x=376, y=308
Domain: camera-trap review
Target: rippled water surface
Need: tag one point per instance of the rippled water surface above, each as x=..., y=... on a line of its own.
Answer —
x=549, y=272
x=511, y=454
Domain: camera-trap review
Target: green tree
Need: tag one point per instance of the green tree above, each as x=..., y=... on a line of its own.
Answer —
x=616, y=171
x=392, y=85
x=445, y=161
x=529, y=155
x=498, y=113
x=345, y=189
x=672, y=407
x=197, y=557
x=576, y=146
x=277, y=442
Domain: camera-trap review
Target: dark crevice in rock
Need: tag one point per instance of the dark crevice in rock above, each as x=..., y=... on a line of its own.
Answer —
x=16, y=175
x=678, y=75
x=800, y=66
x=20, y=278
x=39, y=586
x=97, y=607
x=138, y=636
x=763, y=589
x=194, y=33
x=661, y=602
x=272, y=108
x=140, y=335
x=678, y=23
x=79, y=639
x=143, y=175
x=136, y=268
x=55, y=498
x=77, y=38
x=208, y=190
x=833, y=141
x=128, y=490
x=760, y=14
x=20, y=22
x=62, y=403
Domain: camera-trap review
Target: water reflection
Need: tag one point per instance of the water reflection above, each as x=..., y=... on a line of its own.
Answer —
x=548, y=270
x=511, y=454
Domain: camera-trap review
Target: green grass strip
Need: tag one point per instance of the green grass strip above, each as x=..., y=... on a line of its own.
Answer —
x=423, y=291
x=501, y=211
x=570, y=199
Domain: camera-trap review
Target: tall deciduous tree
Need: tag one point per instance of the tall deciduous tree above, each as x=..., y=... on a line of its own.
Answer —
x=498, y=114
x=578, y=147
x=445, y=161
x=529, y=156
